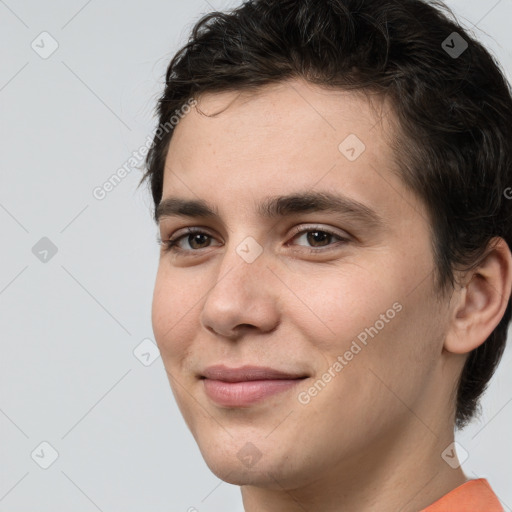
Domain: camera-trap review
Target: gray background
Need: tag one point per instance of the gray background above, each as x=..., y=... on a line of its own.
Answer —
x=70, y=324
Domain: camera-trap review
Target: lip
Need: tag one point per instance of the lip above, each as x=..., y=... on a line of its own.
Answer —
x=246, y=385
x=246, y=373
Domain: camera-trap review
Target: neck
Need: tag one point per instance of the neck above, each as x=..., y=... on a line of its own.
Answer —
x=402, y=471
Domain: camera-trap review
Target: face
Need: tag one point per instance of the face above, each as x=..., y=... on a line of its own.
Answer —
x=334, y=306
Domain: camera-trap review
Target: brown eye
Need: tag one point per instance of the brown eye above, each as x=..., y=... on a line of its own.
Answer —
x=198, y=238
x=195, y=238
x=317, y=239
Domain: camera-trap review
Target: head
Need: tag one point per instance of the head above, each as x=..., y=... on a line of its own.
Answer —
x=394, y=308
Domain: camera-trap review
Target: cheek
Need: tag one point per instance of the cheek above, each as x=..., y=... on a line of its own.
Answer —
x=370, y=310
x=172, y=316
x=335, y=305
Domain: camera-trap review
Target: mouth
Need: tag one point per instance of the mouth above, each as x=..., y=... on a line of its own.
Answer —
x=244, y=386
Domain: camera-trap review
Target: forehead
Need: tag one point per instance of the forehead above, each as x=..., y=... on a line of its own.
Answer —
x=284, y=115
x=282, y=138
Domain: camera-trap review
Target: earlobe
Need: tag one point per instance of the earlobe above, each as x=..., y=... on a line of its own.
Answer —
x=481, y=303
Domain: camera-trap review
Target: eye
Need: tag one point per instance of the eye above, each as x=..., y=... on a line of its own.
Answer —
x=192, y=236
x=320, y=239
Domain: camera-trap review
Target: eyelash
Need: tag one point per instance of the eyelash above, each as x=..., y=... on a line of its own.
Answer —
x=171, y=245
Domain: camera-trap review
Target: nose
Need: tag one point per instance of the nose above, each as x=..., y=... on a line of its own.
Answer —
x=242, y=297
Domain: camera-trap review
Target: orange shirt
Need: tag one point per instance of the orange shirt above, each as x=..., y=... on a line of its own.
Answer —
x=472, y=496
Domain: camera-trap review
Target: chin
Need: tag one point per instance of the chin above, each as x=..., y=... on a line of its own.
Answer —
x=239, y=462
x=265, y=475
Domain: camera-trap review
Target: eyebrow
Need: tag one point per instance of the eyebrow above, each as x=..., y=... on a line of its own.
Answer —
x=275, y=207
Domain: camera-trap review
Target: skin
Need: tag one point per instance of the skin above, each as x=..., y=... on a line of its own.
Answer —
x=372, y=438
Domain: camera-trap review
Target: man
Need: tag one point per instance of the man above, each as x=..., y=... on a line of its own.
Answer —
x=333, y=291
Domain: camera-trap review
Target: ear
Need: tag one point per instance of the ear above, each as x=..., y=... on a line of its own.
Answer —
x=481, y=302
